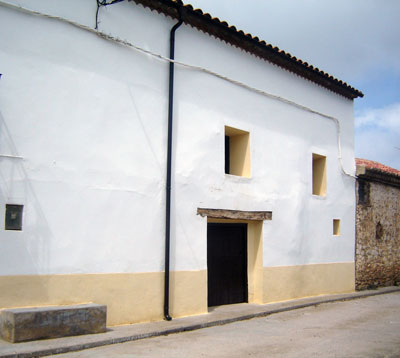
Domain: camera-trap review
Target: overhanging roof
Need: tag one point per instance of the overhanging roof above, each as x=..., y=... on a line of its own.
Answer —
x=251, y=44
x=374, y=171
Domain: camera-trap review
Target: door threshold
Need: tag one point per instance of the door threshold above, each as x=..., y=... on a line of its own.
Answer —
x=227, y=306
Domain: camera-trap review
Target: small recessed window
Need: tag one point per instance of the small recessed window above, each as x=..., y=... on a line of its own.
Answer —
x=318, y=174
x=336, y=227
x=237, y=152
x=13, y=217
x=363, y=192
x=379, y=231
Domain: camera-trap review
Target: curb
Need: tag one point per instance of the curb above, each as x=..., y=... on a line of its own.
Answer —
x=190, y=327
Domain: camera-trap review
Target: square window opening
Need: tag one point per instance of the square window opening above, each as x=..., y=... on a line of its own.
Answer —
x=13, y=220
x=318, y=174
x=237, y=152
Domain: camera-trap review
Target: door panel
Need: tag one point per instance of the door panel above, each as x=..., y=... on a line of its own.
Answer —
x=227, y=263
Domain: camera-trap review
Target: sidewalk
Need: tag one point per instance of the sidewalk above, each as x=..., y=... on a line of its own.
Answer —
x=217, y=316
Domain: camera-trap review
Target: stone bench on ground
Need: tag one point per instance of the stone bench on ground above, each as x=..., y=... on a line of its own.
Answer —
x=27, y=324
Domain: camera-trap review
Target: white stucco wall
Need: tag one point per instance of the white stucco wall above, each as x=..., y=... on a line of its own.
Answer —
x=89, y=117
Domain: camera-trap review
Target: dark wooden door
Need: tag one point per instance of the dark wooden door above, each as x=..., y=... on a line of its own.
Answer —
x=227, y=263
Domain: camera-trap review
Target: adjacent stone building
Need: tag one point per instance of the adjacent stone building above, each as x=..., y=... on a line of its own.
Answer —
x=377, y=225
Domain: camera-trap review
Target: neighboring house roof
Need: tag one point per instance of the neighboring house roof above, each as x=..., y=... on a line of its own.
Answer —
x=374, y=171
x=370, y=164
x=252, y=44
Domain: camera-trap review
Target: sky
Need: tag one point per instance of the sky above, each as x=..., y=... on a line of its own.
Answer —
x=357, y=41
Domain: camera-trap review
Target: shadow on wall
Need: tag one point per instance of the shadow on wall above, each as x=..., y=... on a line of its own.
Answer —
x=24, y=252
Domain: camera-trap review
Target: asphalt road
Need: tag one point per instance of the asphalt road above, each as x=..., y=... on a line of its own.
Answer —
x=367, y=327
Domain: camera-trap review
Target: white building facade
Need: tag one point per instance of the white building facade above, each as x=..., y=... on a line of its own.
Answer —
x=83, y=147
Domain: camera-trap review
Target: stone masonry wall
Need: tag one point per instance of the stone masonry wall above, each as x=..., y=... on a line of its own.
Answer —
x=377, y=234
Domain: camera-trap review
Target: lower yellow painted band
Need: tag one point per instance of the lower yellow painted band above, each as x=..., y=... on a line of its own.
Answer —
x=289, y=282
x=129, y=297
x=132, y=298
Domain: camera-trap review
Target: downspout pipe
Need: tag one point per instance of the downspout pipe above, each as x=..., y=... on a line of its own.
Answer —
x=169, y=163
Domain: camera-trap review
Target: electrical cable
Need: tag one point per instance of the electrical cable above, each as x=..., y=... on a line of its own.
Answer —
x=10, y=156
x=192, y=67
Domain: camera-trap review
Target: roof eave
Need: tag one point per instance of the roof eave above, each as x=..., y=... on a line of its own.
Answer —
x=248, y=43
x=379, y=176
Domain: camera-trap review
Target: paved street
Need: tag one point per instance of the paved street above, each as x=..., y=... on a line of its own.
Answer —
x=367, y=327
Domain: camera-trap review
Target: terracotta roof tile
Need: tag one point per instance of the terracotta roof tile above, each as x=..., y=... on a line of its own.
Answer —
x=222, y=30
x=370, y=164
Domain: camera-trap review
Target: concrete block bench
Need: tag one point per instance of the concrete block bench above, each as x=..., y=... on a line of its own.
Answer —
x=27, y=324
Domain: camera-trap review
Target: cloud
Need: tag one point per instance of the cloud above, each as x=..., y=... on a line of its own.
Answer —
x=378, y=135
x=385, y=118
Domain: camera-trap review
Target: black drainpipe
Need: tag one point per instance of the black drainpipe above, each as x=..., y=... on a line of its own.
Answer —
x=169, y=162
